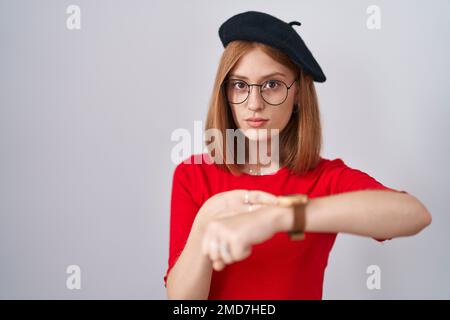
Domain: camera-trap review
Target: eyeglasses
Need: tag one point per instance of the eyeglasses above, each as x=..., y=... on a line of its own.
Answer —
x=273, y=92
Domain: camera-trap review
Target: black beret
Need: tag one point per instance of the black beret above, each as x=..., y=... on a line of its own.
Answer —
x=267, y=29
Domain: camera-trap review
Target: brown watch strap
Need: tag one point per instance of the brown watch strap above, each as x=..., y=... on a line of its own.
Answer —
x=298, y=202
x=298, y=231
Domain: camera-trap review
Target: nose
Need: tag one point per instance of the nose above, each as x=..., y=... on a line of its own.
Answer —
x=255, y=102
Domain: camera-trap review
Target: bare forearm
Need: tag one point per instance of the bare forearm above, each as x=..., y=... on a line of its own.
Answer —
x=372, y=213
x=190, y=277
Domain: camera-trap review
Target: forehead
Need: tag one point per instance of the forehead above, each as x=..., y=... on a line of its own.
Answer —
x=256, y=64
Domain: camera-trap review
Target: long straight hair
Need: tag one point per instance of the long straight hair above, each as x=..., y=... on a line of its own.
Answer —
x=300, y=141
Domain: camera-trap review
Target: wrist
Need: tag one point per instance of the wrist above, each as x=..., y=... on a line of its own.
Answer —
x=284, y=219
x=200, y=221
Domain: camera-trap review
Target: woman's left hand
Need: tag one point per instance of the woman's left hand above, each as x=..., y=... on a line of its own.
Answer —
x=229, y=239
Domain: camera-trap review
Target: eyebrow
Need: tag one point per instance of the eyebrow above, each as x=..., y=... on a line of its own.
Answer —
x=263, y=77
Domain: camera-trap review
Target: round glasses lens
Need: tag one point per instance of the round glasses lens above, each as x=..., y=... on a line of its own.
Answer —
x=274, y=91
x=236, y=91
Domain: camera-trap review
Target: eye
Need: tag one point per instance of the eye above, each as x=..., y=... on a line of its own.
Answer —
x=272, y=84
x=238, y=85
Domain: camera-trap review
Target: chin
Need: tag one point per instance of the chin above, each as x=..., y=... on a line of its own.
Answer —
x=259, y=134
x=252, y=134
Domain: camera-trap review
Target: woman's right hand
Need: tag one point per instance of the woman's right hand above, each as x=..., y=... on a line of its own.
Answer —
x=230, y=203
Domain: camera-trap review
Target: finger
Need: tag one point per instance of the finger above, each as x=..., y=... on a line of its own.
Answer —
x=213, y=248
x=253, y=207
x=218, y=265
x=225, y=252
x=205, y=243
x=263, y=198
x=240, y=252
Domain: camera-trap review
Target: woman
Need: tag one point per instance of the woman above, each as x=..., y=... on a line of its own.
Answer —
x=234, y=233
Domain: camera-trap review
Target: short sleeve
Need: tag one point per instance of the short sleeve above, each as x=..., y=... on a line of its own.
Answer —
x=343, y=178
x=183, y=209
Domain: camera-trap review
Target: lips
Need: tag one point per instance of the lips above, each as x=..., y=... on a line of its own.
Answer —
x=256, y=122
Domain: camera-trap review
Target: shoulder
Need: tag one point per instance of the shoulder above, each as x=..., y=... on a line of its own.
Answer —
x=329, y=172
x=339, y=177
x=336, y=168
x=333, y=163
x=327, y=166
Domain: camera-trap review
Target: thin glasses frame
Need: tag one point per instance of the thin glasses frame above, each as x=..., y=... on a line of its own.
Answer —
x=260, y=90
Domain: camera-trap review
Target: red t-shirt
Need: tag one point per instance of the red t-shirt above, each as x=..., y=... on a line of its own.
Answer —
x=278, y=268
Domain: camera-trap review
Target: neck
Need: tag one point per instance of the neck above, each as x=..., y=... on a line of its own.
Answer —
x=257, y=165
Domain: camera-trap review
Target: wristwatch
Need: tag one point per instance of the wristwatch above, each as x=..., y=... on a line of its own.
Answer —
x=298, y=202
